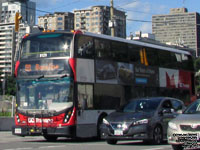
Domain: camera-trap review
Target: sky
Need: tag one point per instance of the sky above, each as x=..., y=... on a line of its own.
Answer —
x=139, y=12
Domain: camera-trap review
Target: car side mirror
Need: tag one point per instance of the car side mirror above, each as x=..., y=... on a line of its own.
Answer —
x=167, y=110
x=179, y=111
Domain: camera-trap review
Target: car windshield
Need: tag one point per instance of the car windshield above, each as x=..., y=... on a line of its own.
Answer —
x=194, y=108
x=43, y=94
x=46, y=45
x=141, y=105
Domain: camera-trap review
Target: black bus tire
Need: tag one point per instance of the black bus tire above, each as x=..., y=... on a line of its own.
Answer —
x=50, y=138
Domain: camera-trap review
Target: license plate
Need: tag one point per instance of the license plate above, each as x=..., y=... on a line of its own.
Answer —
x=18, y=130
x=118, y=132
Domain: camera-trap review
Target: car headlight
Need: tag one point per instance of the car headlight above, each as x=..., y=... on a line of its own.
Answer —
x=105, y=121
x=143, y=121
x=172, y=125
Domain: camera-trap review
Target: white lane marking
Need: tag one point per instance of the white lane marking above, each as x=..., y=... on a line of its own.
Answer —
x=24, y=148
x=51, y=146
x=156, y=148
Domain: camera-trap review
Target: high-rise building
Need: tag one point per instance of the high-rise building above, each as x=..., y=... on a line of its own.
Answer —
x=179, y=28
x=57, y=21
x=26, y=9
x=8, y=37
x=96, y=20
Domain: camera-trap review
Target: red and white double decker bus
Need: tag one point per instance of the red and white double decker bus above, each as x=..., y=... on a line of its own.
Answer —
x=67, y=82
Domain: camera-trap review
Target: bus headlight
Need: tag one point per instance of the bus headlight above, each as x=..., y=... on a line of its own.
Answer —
x=18, y=119
x=67, y=116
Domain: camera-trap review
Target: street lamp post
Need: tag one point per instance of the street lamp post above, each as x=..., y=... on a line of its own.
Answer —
x=112, y=18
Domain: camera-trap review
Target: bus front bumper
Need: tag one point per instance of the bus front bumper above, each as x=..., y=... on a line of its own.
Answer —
x=65, y=131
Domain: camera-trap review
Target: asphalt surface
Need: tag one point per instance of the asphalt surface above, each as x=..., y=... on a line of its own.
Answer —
x=11, y=142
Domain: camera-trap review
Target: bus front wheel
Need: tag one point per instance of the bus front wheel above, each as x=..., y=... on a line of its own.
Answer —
x=50, y=138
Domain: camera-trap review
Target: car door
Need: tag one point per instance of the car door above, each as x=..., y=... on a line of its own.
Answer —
x=166, y=114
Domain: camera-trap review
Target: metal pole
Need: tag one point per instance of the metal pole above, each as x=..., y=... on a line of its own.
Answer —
x=13, y=99
x=112, y=18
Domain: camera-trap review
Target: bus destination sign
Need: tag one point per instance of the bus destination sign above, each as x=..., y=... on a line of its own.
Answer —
x=43, y=67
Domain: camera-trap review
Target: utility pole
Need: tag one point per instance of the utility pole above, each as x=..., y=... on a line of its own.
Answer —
x=112, y=26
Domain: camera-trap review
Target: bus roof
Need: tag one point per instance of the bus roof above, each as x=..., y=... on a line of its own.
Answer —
x=140, y=43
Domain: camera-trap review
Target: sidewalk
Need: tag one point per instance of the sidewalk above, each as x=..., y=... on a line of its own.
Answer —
x=6, y=123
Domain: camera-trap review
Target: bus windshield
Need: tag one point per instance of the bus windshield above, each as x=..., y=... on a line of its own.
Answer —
x=46, y=45
x=45, y=94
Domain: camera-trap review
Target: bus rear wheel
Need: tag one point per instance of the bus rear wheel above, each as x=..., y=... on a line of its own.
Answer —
x=50, y=138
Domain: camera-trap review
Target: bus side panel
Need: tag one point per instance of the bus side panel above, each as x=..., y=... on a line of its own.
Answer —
x=87, y=123
x=85, y=70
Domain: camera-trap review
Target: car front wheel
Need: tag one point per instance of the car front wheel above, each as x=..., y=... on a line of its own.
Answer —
x=157, y=135
x=177, y=147
x=112, y=142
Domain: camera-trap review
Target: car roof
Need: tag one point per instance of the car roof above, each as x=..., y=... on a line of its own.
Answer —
x=155, y=98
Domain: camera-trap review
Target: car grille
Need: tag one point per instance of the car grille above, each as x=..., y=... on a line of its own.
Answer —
x=119, y=126
x=190, y=127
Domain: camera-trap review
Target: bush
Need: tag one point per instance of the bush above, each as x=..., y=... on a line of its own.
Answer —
x=5, y=114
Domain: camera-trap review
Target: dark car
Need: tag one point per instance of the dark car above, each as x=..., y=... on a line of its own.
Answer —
x=141, y=119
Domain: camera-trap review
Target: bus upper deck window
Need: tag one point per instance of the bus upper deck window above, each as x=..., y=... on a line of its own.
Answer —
x=85, y=47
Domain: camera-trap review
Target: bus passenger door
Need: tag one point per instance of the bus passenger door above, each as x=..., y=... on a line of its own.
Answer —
x=86, y=116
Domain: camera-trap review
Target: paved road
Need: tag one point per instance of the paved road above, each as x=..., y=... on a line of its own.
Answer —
x=11, y=142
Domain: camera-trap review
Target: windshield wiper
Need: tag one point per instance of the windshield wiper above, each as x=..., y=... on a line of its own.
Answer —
x=40, y=77
x=64, y=75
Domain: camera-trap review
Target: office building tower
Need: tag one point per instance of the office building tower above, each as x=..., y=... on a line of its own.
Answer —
x=8, y=36
x=179, y=28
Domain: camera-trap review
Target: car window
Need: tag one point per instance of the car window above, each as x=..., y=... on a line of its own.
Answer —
x=167, y=104
x=142, y=105
x=194, y=108
x=177, y=105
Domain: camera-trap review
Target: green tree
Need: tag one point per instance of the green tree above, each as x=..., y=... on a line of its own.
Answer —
x=10, y=85
x=197, y=75
x=197, y=64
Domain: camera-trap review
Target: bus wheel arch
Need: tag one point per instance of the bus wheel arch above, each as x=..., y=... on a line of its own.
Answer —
x=99, y=122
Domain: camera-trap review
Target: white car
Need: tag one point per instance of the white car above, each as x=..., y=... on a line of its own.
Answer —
x=184, y=130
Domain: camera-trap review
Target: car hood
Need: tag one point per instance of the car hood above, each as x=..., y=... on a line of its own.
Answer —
x=128, y=117
x=187, y=119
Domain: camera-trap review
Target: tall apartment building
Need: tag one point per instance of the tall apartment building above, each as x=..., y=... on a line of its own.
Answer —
x=8, y=37
x=26, y=9
x=96, y=20
x=180, y=28
x=57, y=21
